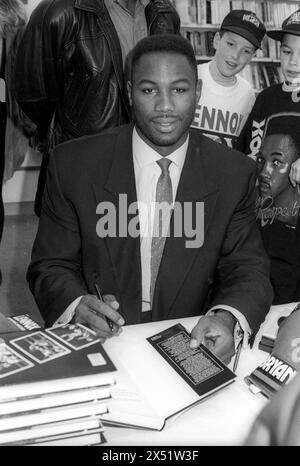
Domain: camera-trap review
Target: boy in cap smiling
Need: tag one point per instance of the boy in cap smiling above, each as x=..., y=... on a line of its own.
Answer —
x=279, y=99
x=227, y=98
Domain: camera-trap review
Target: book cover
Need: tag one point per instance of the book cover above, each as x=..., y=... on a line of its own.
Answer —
x=149, y=392
x=61, y=358
x=48, y=416
x=200, y=369
x=15, y=323
x=36, y=433
x=92, y=438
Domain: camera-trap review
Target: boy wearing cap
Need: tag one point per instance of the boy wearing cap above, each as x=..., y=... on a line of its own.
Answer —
x=227, y=98
x=279, y=99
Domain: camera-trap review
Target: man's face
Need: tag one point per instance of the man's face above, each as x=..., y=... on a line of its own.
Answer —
x=163, y=97
x=274, y=161
x=233, y=53
x=290, y=58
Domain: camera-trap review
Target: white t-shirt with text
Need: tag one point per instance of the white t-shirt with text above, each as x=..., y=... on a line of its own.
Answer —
x=222, y=111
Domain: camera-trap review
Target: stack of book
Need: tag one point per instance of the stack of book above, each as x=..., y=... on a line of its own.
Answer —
x=54, y=385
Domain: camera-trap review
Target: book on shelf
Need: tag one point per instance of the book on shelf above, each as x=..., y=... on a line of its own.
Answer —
x=210, y=14
x=159, y=376
x=271, y=12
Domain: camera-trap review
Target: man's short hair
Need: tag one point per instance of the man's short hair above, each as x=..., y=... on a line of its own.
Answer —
x=164, y=43
x=285, y=125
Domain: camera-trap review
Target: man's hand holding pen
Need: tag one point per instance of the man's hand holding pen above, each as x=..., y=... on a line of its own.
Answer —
x=94, y=313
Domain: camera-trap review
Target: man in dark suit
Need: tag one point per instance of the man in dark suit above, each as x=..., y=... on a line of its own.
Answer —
x=90, y=232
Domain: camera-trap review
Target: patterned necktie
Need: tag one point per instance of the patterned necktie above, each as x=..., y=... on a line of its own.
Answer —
x=163, y=205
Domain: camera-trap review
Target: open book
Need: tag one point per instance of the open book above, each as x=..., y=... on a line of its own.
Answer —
x=150, y=391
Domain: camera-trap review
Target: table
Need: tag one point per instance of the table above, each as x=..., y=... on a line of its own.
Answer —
x=223, y=419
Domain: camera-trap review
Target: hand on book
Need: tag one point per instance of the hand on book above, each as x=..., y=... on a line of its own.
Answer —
x=93, y=313
x=216, y=332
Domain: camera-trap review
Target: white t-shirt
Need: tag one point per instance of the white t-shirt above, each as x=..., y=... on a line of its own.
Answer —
x=222, y=111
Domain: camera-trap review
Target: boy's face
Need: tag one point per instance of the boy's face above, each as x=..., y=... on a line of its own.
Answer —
x=163, y=97
x=233, y=53
x=274, y=161
x=290, y=58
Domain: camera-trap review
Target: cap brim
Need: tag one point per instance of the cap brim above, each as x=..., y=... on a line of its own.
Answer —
x=246, y=34
x=278, y=35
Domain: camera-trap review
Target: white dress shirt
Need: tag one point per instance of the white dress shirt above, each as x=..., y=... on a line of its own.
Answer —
x=147, y=172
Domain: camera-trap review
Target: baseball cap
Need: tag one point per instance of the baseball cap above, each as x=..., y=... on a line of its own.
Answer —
x=290, y=25
x=245, y=23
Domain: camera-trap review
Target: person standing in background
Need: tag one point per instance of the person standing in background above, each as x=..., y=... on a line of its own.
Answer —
x=13, y=142
x=69, y=66
x=226, y=97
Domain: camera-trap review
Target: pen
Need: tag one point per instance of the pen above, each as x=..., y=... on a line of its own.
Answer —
x=108, y=321
x=238, y=353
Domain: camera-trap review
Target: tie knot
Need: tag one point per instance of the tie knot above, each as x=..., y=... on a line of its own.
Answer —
x=164, y=164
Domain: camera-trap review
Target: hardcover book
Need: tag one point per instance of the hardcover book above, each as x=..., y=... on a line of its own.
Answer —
x=159, y=376
x=61, y=358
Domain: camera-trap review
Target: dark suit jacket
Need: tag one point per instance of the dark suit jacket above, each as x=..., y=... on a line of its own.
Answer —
x=69, y=258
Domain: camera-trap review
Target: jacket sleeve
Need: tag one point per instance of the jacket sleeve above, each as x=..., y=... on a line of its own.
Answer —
x=162, y=17
x=243, y=269
x=55, y=272
x=38, y=64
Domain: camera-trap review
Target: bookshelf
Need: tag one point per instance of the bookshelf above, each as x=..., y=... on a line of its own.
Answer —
x=200, y=19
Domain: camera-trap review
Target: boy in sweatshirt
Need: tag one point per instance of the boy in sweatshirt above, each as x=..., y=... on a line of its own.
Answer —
x=227, y=98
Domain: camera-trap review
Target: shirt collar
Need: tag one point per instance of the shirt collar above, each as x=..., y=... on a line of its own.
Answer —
x=144, y=155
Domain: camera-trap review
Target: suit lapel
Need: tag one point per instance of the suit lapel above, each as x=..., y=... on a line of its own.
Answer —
x=124, y=250
x=194, y=186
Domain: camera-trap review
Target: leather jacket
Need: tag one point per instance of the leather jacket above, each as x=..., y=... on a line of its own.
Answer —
x=69, y=71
